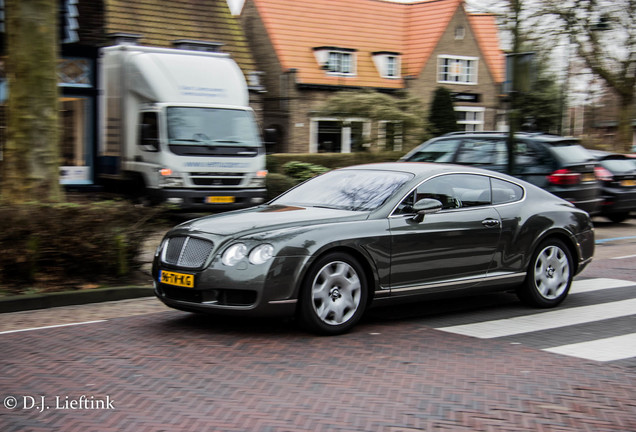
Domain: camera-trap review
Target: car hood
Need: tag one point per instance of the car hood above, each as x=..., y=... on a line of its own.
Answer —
x=269, y=218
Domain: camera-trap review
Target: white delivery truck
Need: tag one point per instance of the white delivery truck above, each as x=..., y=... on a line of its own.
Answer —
x=177, y=128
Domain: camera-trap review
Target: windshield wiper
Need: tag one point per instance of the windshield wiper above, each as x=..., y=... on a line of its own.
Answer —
x=228, y=141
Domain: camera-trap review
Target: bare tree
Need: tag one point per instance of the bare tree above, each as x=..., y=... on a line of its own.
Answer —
x=30, y=166
x=603, y=34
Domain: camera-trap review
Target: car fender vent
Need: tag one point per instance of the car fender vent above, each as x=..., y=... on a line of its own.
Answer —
x=188, y=252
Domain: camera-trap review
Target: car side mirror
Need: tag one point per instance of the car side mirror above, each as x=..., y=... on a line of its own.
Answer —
x=425, y=206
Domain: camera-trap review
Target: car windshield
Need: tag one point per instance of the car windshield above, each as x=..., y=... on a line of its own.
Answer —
x=211, y=126
x=356, y=190
x=572, y=153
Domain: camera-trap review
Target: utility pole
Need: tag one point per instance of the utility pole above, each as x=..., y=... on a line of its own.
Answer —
x=513, y=114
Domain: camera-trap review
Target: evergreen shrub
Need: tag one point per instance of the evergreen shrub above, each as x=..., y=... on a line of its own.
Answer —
x=67, y=245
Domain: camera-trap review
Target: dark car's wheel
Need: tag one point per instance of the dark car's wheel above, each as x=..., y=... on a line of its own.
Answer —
x=334, y=295
x=549, y=275
x=618, y=217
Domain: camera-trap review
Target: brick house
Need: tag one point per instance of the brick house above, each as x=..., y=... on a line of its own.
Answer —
x=87, y=25
x=309, y=49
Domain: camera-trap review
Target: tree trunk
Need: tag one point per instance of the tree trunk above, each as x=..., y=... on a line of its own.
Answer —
x=625, y=118
x=30, y=169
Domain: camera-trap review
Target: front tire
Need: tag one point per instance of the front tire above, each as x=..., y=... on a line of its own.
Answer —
x=334, y=295
x=549, y=275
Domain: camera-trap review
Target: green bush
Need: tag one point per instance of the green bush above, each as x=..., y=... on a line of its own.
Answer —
x=277, y=184
x=301, y=171
x=70, y=244
x=276, y=162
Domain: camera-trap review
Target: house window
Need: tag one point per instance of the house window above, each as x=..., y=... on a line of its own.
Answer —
x=74, y=72
x=340, y=62
x=391, y=66
x=387, y=64
x=460, y=32
x=390, y=135
x=457, y=70
x=338, y=136
x=470, y=118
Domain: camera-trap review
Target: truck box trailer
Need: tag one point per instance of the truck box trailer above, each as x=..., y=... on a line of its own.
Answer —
x=177, y=127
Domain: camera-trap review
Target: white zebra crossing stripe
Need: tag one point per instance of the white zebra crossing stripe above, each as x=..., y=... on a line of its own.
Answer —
x=545, y=320
x=603, y=350
x=598, y=284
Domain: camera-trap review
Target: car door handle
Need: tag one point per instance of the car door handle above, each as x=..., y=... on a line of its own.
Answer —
x=490, y=222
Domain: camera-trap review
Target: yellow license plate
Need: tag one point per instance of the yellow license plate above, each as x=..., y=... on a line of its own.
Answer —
x=628, y=183
x=219, y=199
x=588, y=178
x=177, y=279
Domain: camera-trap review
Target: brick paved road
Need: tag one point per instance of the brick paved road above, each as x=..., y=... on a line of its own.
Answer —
x=171, y=371
x=163, y=370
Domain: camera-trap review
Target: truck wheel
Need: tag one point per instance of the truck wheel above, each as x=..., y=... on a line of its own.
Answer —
x=334, y=295
x=549, y=275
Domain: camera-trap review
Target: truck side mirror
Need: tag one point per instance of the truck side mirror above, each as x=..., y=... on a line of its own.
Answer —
x=425, y=206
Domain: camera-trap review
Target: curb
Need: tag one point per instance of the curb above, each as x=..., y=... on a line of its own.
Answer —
x=70, y=298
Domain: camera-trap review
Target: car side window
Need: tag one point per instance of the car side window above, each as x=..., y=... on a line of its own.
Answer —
x=436, y=151
x=505, y=192
x=454, y=191
x=476, y=151
x=528, y=159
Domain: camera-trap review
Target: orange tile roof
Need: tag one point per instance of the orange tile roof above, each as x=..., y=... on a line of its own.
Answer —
x=485, y=28
x=427, y=21
x=296, y=27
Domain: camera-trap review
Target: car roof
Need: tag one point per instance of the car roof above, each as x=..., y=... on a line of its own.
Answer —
x=604, y=155
x=538, y=136
x=424, y=168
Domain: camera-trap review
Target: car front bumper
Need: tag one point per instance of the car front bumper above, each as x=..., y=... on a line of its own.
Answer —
x=265, y=290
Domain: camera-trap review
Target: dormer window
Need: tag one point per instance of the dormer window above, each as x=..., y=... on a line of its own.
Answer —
x=460, y=32
x=387, y=64
x=334, y=60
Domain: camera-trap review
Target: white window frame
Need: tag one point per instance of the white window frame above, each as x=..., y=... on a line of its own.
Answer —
x=466, y=72
x=345, y=144
x=399, y=135
x=382, y=61
x=345, y=63
x=476, y=124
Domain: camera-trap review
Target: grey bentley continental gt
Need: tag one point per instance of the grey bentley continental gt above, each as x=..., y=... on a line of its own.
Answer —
x=366, y=235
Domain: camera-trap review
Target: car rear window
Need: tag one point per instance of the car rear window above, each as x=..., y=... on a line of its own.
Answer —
x=619, y=166
x=571, y=153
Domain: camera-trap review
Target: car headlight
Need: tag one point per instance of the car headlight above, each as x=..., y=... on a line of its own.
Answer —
x=234, y=254
x=261, y=253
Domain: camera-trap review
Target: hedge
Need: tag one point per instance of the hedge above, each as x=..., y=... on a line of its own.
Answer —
x=70, y=244
x=276, y=161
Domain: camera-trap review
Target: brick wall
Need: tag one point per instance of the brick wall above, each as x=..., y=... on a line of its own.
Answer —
x=426, y=82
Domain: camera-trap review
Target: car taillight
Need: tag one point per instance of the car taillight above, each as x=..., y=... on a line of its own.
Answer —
x=603, y=174
x=564, y=177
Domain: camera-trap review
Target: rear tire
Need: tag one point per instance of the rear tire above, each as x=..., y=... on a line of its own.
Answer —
x=618, y=217
x=549, y=275
x=334, y=295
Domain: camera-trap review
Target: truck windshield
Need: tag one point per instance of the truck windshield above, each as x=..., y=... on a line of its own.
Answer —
x=190, y=126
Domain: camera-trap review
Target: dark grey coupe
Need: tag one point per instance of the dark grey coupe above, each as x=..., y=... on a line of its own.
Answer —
x=365, y=235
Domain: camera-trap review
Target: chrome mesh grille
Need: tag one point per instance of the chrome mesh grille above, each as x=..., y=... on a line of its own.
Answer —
x=189, y=252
